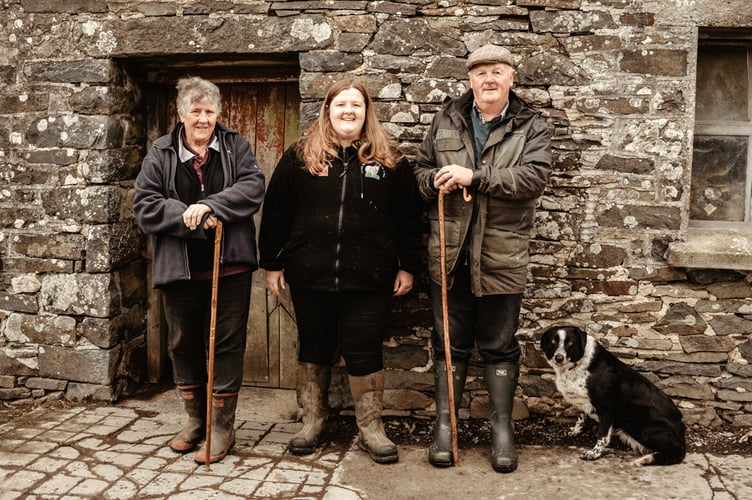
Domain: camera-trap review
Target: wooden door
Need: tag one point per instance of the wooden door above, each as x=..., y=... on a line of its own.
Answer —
x=268, y=115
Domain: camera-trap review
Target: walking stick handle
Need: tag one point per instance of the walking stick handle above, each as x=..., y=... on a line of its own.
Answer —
x=212, y=336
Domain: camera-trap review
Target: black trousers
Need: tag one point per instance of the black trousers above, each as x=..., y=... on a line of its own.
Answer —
x=490, y=322
x=187, y=307
x=350, y=323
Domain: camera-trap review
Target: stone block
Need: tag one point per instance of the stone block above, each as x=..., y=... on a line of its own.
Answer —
x=213, y=35
x=330, y=60
x=697, y=343
x=353, y=42
x=19, y=361
x=19, y=216
x=93, y=366
x=52, y=156
x=18, y=302
x=38, y=265
x=405, y=357
x=739, y=396
x=84, y=70
x=64, y=6
x=627, y=165
x=76, y=131
x=569, y=21
x=735, y=290
x=14, y=393
x=644, y=217
x=109, y=246
x=731, y=324
x=49, y=246
x=100, y=332
x=38, y=329
x=86, y=392
x=681, y=319
x=403, y=37
x=663, y=62
x=684, y=387
x=365, y=23
x=674, y=368
x=48, y=384
x=404, y=399
x=81, y=294
x=118, y=164
x=92, y=204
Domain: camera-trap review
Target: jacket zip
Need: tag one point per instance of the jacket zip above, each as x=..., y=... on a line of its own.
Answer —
x=340, y=219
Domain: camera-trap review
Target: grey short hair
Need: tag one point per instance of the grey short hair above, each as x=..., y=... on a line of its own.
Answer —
x=196, y=89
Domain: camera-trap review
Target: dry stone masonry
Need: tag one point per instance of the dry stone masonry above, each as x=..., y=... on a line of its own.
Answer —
x=613, y=247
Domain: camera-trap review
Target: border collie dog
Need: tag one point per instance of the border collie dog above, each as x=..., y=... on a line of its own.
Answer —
x=620, y=399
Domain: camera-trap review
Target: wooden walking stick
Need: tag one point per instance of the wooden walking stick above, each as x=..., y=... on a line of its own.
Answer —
x=445, y=317
x=212, y=336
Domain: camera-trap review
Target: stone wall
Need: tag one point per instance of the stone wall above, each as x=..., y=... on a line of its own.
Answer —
x=614, y=79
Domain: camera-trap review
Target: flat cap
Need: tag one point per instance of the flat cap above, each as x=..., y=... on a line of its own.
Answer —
x=489, y=54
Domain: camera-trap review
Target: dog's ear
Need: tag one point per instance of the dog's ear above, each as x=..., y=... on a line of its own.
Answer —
x=583, y=337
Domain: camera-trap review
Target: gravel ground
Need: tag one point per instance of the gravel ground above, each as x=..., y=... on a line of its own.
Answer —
x=541, y=431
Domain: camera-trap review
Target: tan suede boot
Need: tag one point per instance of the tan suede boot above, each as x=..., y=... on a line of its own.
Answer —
x=313, y=396
x=194, y=402
x=368, y=394
x=222, y=430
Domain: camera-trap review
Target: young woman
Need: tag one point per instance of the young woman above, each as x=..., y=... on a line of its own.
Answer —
x=341, y=227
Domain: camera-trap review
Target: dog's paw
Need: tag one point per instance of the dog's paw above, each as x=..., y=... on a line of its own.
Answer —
x=645, y=460
x=591, y=455
x=578, y=426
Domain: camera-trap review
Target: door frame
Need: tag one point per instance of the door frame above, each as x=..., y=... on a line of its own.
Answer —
x=159, y=73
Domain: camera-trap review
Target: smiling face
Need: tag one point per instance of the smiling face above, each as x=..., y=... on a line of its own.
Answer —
x=199, y=120
x=347, y=114
x=491, y=84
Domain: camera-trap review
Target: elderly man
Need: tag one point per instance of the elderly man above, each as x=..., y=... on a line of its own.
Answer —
x=492, y=143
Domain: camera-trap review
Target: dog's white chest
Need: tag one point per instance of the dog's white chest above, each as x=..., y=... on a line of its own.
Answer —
x=572, y=382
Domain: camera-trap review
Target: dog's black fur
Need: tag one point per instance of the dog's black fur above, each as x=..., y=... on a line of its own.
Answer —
x=620, y=399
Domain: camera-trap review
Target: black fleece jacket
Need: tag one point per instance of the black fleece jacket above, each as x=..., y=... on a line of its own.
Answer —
x=349, y=230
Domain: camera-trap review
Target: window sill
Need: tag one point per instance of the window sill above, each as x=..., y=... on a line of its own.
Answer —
x=713, y=249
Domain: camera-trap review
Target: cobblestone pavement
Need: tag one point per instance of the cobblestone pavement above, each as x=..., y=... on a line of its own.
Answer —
x=119, y=452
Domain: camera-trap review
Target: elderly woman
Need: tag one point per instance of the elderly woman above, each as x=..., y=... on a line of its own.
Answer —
x=201, y=173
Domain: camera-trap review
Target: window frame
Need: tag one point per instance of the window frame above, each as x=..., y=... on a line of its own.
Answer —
x=722, y=128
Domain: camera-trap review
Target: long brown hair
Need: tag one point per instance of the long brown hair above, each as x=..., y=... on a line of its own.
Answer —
x=321, y=144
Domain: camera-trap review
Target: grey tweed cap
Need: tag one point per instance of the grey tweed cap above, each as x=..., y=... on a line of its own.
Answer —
x=489, y=54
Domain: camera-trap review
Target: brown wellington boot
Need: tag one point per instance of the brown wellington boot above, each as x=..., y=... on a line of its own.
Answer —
x=194, y=402
x=222, y=430
x=313, y=397
x=368, y=394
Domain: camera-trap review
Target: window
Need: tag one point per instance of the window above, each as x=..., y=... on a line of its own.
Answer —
x=720, y=223
x=721, y=193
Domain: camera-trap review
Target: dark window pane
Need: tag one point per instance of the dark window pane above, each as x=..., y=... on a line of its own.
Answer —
x=719, y=168
x=721, y=83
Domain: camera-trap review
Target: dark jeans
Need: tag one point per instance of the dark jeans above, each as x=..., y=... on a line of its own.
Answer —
x=490, y=322
x=187, y=306
x=352, y=321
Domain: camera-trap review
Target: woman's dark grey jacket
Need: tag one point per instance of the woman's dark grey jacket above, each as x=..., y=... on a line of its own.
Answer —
x=159, y=211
